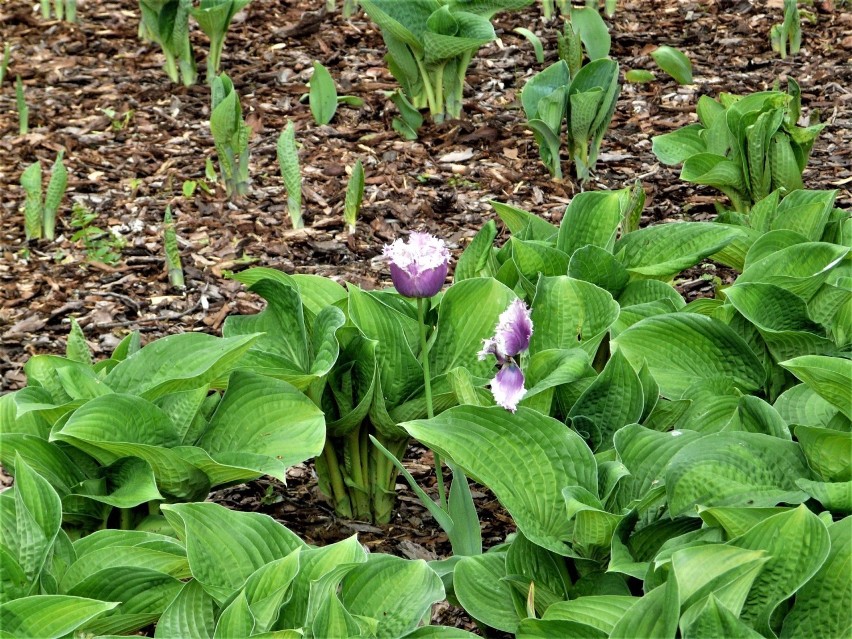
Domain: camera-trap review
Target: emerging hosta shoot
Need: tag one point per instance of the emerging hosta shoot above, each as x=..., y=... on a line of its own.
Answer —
x=62, y=10
x=354, y=197
x=674, y=62
x=230, y=135
x=746, y=147
x=431, y=43
x=170, y=246
x=288, y=163
x=4, y=64
x=789, y=31
x=214, y=17
x=323, y=95
x=584, y=29
x=586, y=102
x=23, y=109
x=40, y=216
x=166, y=22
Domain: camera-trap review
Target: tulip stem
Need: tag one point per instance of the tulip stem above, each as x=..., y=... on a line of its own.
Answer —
x=427, y=387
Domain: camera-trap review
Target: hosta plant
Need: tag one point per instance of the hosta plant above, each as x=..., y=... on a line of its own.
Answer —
x=787, y=32
x=431, y=43
x=583, y=104
x=23, y=109
x=220, y=573
x=288, y=163
x=230, y=135
x=744, y=146
x=40, y=213
x=166, y=22
x=584, y=29
x=152, y=425
x=214, y=17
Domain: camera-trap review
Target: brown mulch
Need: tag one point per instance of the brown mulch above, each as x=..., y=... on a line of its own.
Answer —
x=132, y=139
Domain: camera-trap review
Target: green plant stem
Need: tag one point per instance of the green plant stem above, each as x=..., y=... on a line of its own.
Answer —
x=342, y=503
x=125, y=518
x=214, y=58
x=439, y=88
x=360, y=489
x=171, y=67
x=434, y=108
x=427, y=387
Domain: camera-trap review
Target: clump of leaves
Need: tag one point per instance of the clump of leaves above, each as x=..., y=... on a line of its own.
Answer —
x=674, y=62
x=230, y=135
x=40, y=214
x=431, y=43
x=586, y=103
x=166, y=22
x=788, y=31
x=744, y=146
x=288, y=163
x=100, y=245
x=584, y=29
x=214, y=17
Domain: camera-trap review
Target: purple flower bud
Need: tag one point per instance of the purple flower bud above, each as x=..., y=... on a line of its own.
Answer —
x=508, y=387
x=418, y=268
x=512, y=334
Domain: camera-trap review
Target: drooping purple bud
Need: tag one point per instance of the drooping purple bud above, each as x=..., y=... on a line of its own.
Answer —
x=508, y=387
x=418, y=268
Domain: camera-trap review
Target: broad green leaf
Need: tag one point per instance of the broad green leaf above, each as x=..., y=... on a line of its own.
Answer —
x=268, y=587
x=591, y=28
x=828, y=377
x=546, y=569
x=801, y=268
x=735, y=469
x=129, y=557
x=261, y=416
x=676, y=147
x=245, y=542
x=828, y=451
x=236, y=620
x=599, y=267
x=190, y=614
x=736, y=521
x=323, y=95
x=823, y=606
x=715, y=620
x=524, y=224
x=373, y=589
x=593, y=526
x=683, y=348
x=126, y=483
x=568, y=313
x=654, y=616
x=480, y=586
x=535, y=259
x=487, y=442
x=614, y=399
x=798, y=544
x=592, y=218
x=476, y=260
x=333, y=620
x=663, y=250
x=673, y=62
x=48, y=616
x=596, y=611
x=459, y=333
x=46, y=459
x=176, y=363
x=38, y=518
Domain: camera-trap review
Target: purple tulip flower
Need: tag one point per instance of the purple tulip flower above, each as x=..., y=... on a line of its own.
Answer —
x=418, y=268
x=508, y=387
x=511, y=335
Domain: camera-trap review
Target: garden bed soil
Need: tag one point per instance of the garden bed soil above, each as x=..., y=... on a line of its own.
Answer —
x=132, y=139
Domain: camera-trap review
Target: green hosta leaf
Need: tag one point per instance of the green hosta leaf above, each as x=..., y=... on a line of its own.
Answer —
x=534, y=40
x=680, y=145
x=834, y=496
x=715, y=620
x=48, y=616
x=801, y=405
x=664, y=250
x=673, y=62
x=477, y=259
x=546, y=569
x=591, y=28
x=38, y=518
x=372, y=589
x=717, y=171
x=323, y=95
x=288, y=162
x=190, y=614
x=654, y=616
x=828, y=377
x=599, y=267
x=480, y=586
x=614, y=399
x=798, y=545
x=128, y=482
x=236, y=620
x=683, y=348
x=333, y=620
x=33, y=210
x=269, y=586
x=261, y=416
x=801, y=268
x=828, y=452
x=176, y=363
x=48, y=460
x=737, y=521
x=823, y=604
x=127, y=557
x=568, y=313
x=541, y=452
x=459, y=334
x=523, y=224
x=596, y=611
x=735, y=469
x=246, y=541
x=593, y=526
x=591, y=218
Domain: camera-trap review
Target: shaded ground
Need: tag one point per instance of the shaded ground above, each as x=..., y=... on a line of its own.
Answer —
x=132, y=139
